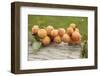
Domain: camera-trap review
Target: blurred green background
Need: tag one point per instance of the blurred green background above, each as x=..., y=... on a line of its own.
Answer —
x=58, y=21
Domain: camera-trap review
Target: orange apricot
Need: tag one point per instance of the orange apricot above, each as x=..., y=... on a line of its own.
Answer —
x=49, y=29
x=42, y=33
x=76, y=29
x=66, y=38
x=77, y=42
x=57, y=39
x=46, y=41
x=70, y=30
x=61, y=31
x=76, y=36
x=35, y=29
x=54, y=33
x=73, y=25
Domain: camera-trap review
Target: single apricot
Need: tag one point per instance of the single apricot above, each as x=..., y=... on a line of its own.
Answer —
x=73, y=25
x=35, y=29
x=66, y=38
x=46, y=41
x=42, y=33
x=54, y=33
x=77, y=42
x=76, y=29
x=57, y=39
x=70, y=30
x=76, y=36
x=61, y=31
x=70, y=42
x=49, y=29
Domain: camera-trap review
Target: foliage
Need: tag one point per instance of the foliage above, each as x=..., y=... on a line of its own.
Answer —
x=84, y=50
x=36, y=45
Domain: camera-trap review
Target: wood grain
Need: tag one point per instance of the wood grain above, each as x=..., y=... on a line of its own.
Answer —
x=55, y=51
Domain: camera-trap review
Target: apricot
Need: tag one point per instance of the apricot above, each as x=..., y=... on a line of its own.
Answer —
x=76, y=36
x=70, y=30
x=77, y=42
x=73, y=25
x=35, y=29
x=66, y=38
x=71, y=42
x=49, y=29
x=54, y=33
x=42, y=33
x=46, y=41
x=57, y=39
x=76, y=29
x=61, y=31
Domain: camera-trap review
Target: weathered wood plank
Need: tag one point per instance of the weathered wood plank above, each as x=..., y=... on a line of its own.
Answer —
x=55, y=51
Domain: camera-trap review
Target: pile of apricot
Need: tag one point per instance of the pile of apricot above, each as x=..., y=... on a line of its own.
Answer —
x=49, y=34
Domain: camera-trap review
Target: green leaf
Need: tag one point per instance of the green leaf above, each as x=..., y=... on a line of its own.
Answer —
x=33, y=39
x=85, y=50
x=84, y=37
x=36, y=46
x=37, y=38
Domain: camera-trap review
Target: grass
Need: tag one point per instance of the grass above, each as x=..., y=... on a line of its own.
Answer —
x=60, y=22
